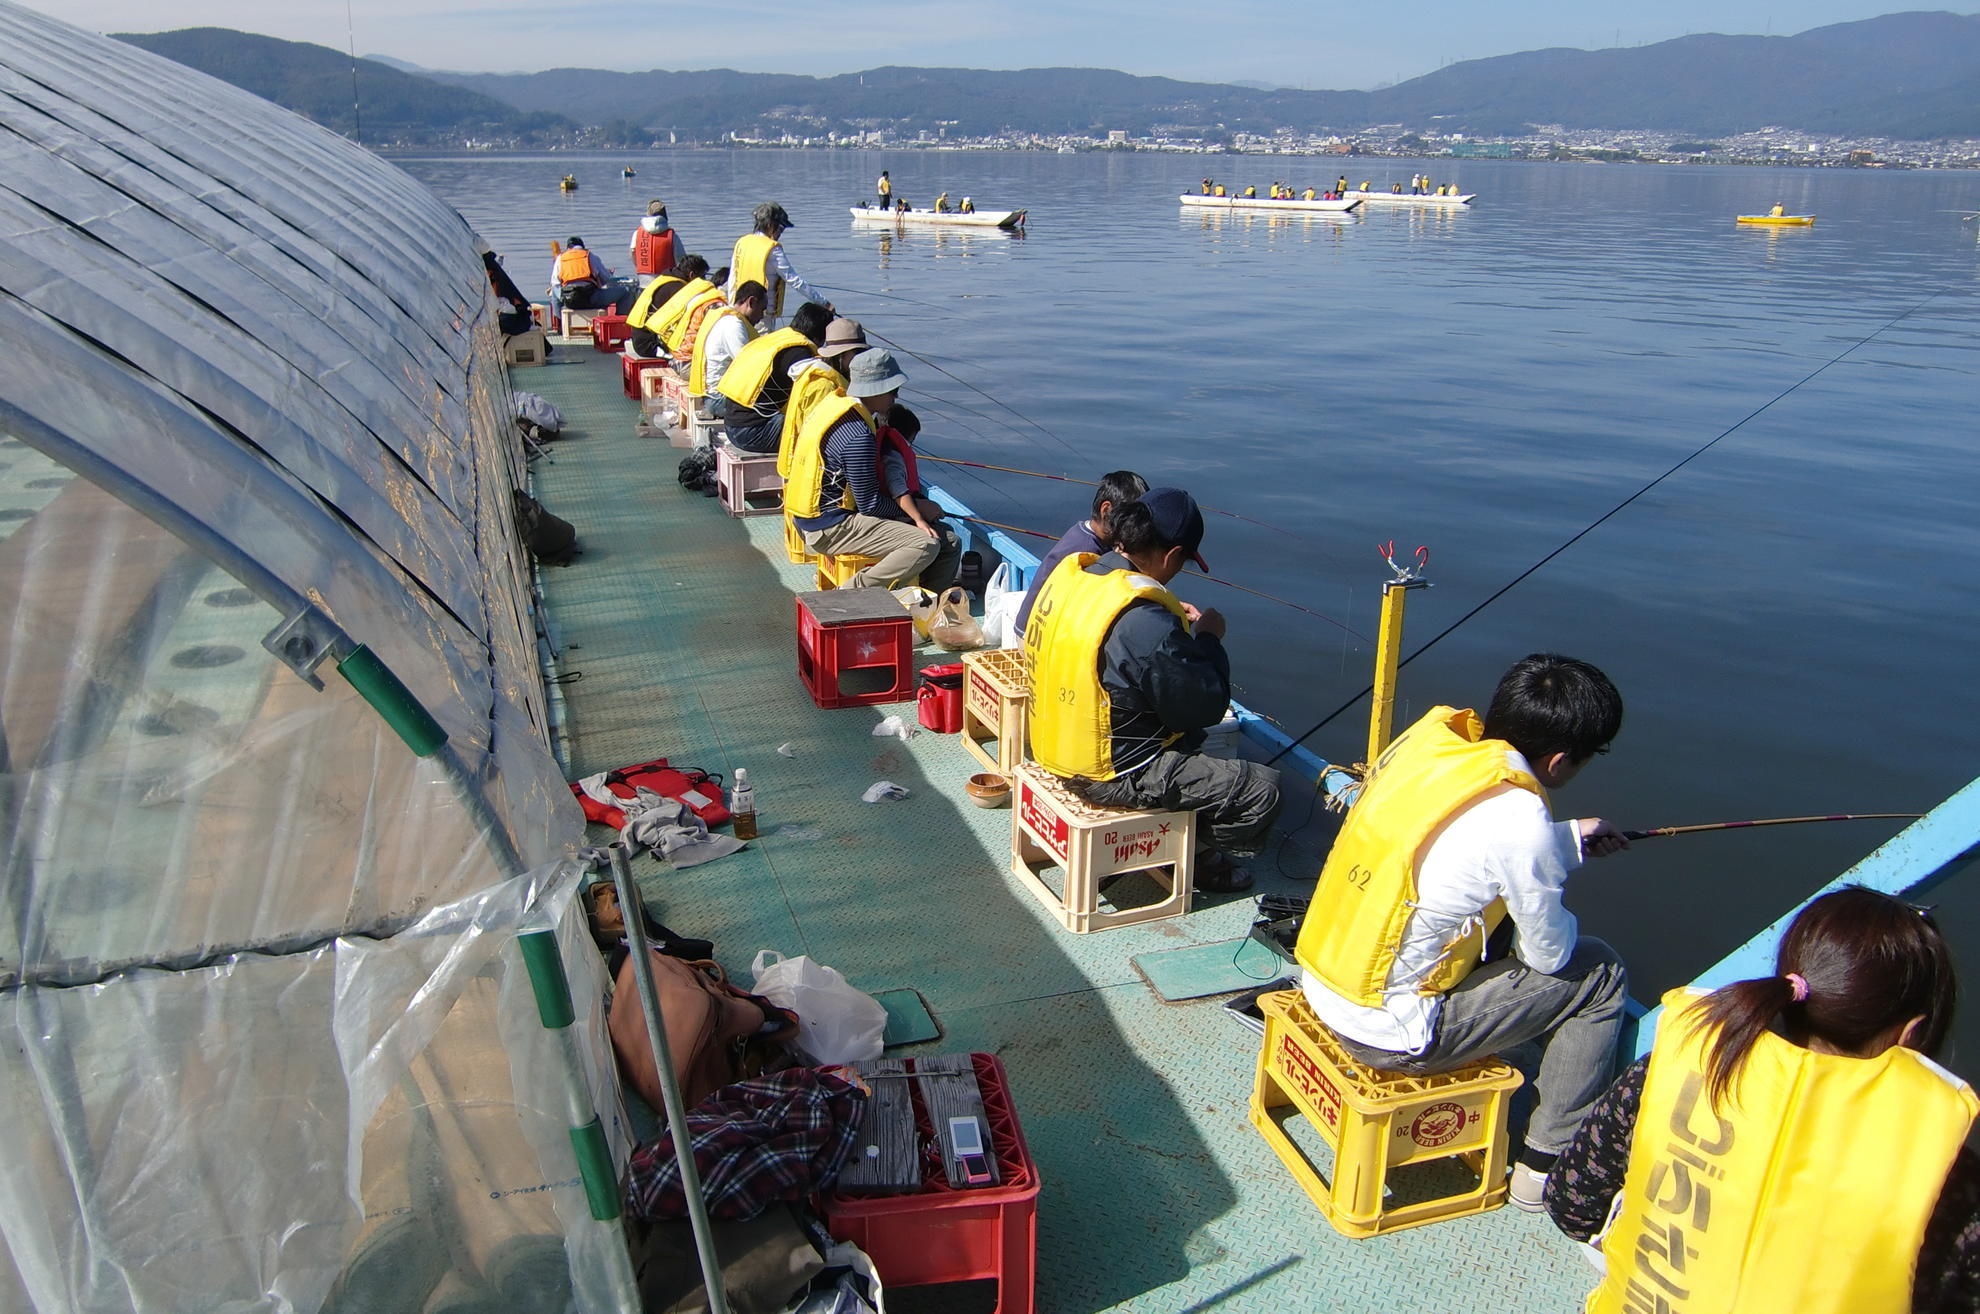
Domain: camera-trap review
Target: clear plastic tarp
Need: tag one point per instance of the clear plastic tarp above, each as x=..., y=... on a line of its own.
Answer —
x=267, y=1039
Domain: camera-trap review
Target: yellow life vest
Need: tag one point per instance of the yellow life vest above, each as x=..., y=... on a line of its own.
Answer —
x=750, y=262
x=747, y=374
x=1309, y=194
x=698, y=369
x=671, y=319
x=818, y=384
x=574, y=266
x=807, y=478
x=1219, y=191
x=689, y=329
x=1072, y=716
x=1367, y=889
x=1810, y=1191
x=652, y=297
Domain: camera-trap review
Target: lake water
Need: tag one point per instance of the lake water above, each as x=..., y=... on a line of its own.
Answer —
x=1790, y=617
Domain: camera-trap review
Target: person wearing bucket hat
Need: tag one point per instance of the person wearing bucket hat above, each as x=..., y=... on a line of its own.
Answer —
x=1140, y=676
x=656, y=245
x=844, y=339
x=759, y=257
x=836, y=492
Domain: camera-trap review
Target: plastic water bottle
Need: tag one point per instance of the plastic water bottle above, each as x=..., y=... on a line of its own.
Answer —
x=742, y=806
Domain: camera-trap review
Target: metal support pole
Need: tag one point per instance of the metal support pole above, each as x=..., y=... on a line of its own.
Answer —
x=670, y=1084
x=1388, y=654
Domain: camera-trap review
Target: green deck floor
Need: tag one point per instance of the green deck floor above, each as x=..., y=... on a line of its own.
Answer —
x=1158, y=1195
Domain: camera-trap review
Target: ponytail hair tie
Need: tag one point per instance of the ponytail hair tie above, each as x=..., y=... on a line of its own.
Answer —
x=1799, y=984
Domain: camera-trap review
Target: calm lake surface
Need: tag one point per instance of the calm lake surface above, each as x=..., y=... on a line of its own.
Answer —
x=1790, y=616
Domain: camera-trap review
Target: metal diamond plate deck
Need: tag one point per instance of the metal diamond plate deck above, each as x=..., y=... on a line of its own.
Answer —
x=1158, y=1195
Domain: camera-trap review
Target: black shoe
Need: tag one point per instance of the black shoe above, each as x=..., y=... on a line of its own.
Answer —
x=1217, y=874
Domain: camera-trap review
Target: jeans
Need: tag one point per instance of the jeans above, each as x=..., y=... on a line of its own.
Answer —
x=906, y=555
x=1575, y=1015
x=1236, y=801
x=747, y=429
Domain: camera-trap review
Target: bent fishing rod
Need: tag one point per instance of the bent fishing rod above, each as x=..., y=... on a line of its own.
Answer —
x=1610, y=514
x=1768, y=821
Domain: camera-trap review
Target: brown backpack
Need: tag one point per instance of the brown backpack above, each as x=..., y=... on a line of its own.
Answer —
x=718, y=1035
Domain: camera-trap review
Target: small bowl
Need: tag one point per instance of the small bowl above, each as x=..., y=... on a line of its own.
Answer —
x=987, y=789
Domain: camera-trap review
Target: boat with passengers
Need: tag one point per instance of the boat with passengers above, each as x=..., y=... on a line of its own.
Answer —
x=304, y=1009
x=1004, y=219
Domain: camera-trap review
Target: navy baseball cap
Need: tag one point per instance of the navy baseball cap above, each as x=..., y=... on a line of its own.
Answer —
x=1178, y=520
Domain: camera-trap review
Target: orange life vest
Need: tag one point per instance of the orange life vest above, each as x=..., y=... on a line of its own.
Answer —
x=574, y=266
x=655, y=253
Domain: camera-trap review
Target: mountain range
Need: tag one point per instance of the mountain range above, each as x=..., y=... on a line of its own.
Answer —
x=1907, y=75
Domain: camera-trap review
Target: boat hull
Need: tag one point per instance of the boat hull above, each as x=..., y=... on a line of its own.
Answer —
x=1778, y=220
x=1266, y=203
x=1409, y=198
x=1005, y=219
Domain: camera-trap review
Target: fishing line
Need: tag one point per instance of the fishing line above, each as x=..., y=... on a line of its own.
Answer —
x=992, y=399
x=1256, y=593
x=1612, y=511
x=885, y=296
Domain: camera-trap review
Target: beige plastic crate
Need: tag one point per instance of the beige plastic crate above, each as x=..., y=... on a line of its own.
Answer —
x=996, y=707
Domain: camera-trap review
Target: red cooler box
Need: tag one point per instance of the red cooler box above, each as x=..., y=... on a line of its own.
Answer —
x=941, y=697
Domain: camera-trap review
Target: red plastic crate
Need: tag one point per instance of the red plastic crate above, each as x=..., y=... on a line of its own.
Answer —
x=609, y=331
x=631, y=367
x=842, y=632
x=955, y=1234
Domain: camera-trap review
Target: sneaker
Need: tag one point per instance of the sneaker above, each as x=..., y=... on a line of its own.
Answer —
x=1217, y=874
x=1526, y=1188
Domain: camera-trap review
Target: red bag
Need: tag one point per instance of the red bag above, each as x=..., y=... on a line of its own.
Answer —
x=700, y=791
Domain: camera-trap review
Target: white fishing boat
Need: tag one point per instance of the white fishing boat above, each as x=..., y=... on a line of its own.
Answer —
x=1267, y=203
x=1412, y=198
x=1005, y=219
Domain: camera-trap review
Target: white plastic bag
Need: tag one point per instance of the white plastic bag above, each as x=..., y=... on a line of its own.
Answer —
x=837, y=1021
x=1001, y=600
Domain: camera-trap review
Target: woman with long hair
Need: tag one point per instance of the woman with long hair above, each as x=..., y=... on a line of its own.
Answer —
x=1789, y=1144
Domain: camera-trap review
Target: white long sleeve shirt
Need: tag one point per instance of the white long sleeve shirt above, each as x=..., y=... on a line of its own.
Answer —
x=1506, y=845
x=780, y=267
x=727, y=338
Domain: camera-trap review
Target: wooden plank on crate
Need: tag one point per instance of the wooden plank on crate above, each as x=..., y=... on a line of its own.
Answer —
x=949, y=1090
x=887, y=1156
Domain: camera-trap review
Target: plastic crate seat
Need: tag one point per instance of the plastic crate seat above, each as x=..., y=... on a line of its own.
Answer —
x=748, y=483
x=996, y=706
x=1376, y=1122
x=577, y=323
x=633, y=371
x=794, y=547
x=947, y=1234
x=609, y=331
x=837, y=572
x=1053, y=827
x=854, y=647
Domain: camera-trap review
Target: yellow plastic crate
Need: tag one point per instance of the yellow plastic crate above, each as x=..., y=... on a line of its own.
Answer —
x=837, y=572
x=1376, y=1121
x=996, y=707
x=794, y=547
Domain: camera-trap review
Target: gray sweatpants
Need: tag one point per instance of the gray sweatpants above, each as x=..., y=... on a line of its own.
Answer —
x=906, y=555
x=1575, y=1015
x=1235, y=801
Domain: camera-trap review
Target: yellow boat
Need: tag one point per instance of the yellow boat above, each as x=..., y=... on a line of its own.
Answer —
x=1799, y=220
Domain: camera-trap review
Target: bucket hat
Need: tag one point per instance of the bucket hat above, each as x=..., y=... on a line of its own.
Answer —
x=874, y=373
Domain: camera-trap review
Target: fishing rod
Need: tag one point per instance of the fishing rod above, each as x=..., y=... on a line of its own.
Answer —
x=1768, y=821
x=1089, y=483
x=885, y=296
x=1256, y=593
x=1614, y=510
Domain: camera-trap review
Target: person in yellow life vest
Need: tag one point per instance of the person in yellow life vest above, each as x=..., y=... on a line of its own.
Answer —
x=725, y=333
x=942, y=203
x=1778, y=210
x=648, y=308
x=750, y=397
x=1437, y=935
x=759, y=258
x=580, y=282
x=836, y=492
x=1789, y=1144
x=1206, y=186
x=1340, y=186
x=1251, y=192
x=968, y=206
x=1307, y=195
x=1218, y=190
x=885, y=187
x=814, y=382
x=1140, y=675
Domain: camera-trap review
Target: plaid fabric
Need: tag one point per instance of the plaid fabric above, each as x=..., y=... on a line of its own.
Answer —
x=757, y=1142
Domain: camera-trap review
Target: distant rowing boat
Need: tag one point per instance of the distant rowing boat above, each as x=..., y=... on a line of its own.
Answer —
x=1266, y=203
x=1411, y=198
x=1006, y=219
x=1779, y=220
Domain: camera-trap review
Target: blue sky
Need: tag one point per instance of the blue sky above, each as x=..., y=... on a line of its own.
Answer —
x=1324, y=45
